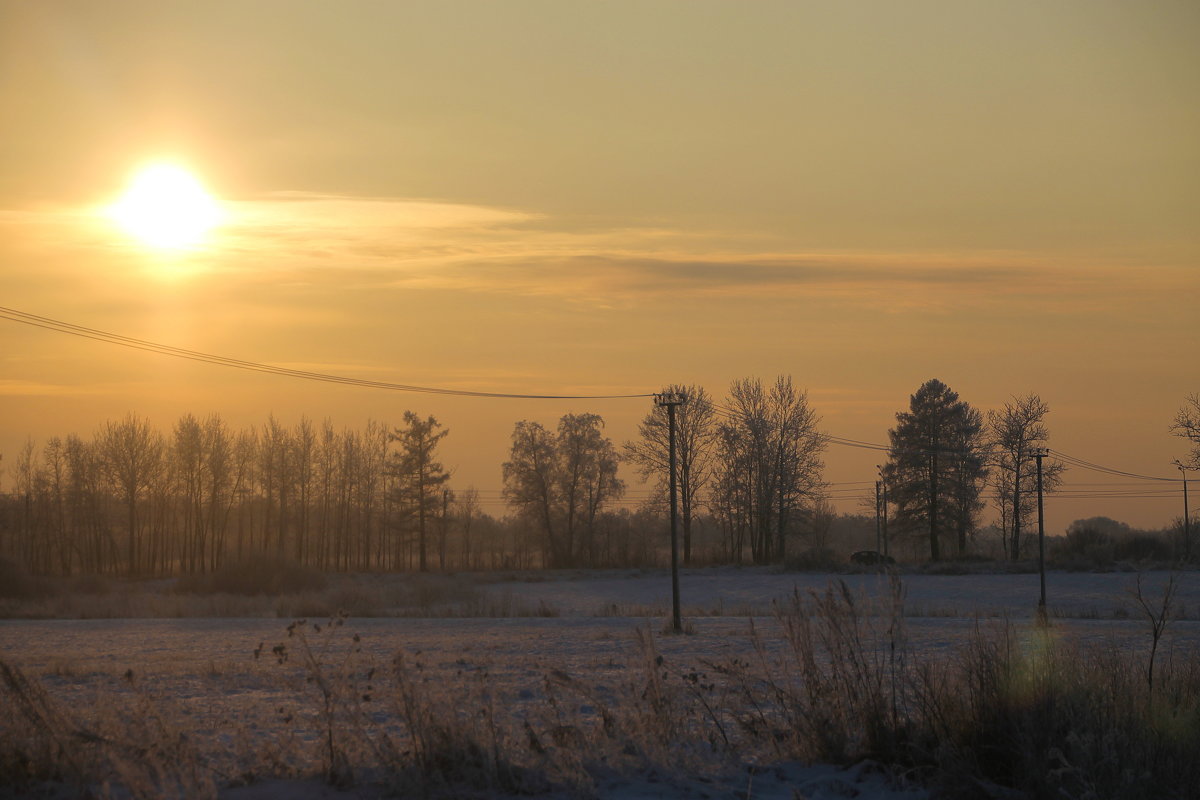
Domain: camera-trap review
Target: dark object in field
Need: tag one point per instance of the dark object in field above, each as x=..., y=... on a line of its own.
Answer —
x=871, y=558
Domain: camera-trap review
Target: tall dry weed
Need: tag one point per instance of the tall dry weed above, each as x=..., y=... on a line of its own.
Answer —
x=128, y=745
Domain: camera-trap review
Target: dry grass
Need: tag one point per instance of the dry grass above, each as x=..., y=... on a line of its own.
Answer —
x=283, y=592
x=1021, y=709
x=126, y=744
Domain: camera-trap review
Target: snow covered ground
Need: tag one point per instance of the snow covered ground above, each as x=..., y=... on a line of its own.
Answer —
x=742, y=591
x=205, y=674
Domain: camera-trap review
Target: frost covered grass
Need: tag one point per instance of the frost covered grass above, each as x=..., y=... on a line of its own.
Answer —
x=591, y=707
x=276, y=590
x=266, y=590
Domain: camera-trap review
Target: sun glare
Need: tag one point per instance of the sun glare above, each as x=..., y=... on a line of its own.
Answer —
x=166, y=206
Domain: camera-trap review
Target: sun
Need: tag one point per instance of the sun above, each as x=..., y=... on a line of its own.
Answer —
x=166, y=206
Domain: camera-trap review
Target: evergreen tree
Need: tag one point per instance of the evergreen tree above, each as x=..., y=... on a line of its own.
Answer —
x=936, y=466
x=419, y=474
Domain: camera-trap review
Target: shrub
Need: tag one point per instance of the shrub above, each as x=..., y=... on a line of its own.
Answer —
x=816, y=559
x=16, y=583
x=1143, y=547
x=966, y=564
x=1037, y=714
x=256, y=575
x=1084, y=544
x=89, y=583
x=126, y=743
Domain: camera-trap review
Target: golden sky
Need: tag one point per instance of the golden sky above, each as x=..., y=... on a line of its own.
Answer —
x=569, y=197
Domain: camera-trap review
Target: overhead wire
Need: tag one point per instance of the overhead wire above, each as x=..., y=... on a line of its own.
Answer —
x=1079, y=462
x=730, y=414
x=721, y=411
x=47, y=323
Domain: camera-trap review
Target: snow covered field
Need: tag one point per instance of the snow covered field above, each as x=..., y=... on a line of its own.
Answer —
x=742, y=591
x=206, y=681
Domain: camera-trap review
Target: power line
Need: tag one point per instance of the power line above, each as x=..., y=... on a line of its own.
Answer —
x=1079, y=462
x=730, y=414
x=13, y=315
x=724, y=412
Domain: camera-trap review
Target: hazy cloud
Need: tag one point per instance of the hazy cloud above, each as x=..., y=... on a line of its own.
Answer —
x=19, y=388
x=305, y=239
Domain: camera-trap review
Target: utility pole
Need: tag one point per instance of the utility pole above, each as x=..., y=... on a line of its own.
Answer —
x=444, y=530
x=1040, y=453
x=670, y=400
x=934, y=549
x=879, y=527
x=1187, y=525
x=421, y=518
x=1016, y=512
x=883, y=485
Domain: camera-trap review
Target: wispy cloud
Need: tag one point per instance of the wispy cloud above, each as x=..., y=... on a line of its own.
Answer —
x=19, y=388
x=731, y=273
x=381, y=243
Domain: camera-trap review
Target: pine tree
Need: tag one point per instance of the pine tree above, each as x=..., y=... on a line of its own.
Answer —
x=936, y=466
x=419, y=474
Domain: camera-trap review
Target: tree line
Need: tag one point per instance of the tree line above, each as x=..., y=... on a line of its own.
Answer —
x=134, y=500
x=756, y=460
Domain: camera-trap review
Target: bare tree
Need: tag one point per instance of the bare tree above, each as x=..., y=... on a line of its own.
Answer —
x=53, y=476
x=531, y=485
x=588, y=477
x=223, y=479
x=187, y=467
x=90, y=512
x=375, y=488
x=276, y=475
x=132, y=455
x=467, y=511
x=1187, y=426
x=245, y=457
x=24, y=485
x=304, y=448
x=695, y=440
x=562, y=482
x=768, y=466
x=1014, y=433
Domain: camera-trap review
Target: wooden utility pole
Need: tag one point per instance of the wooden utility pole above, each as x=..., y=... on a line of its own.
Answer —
x=443, y=530
x=1016, y=537
x=934, y=550
x=1040, y=453
x=670, y=400
x=884, y=500
x=1187, y=526
x=879, y=527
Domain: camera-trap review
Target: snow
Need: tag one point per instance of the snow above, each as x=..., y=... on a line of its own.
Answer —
x=787, y=781
x=205, y=671
x=738, y=591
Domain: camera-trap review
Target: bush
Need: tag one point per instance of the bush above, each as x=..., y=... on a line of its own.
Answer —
x=89, y=583
x=16, y=583
x=1084, y=545
x=816, y=559
x=256, y=575
x=1142, y=547
x=1039, y=716
x=966, y=564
